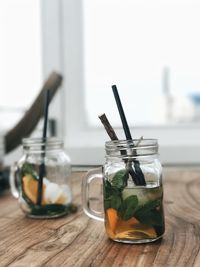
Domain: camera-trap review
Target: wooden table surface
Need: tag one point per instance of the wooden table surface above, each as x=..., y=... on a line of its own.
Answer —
x=76, y=240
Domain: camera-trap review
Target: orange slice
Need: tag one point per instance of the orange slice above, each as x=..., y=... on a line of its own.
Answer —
x=138, y=231
x=133, y=229
x=123, y=226
x=30, y=187
x=137, y=234
x=112, y=218
x=60, y=200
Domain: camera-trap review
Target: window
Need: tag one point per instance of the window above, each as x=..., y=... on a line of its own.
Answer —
x=21, y=60
x=86, y=65
x=87, y=41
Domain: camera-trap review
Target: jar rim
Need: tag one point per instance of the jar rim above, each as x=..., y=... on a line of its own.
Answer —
x=37, y=142
x=135, y=142
x=132, y=148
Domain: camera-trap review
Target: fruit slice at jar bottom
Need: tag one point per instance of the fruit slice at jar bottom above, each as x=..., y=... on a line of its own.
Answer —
x=133, y=229
x=133, y=234
x=130, y=229
x=30, y=187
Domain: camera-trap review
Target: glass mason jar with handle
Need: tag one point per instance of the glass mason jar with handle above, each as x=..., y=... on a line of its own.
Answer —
x=132, y=191
x=49, y=156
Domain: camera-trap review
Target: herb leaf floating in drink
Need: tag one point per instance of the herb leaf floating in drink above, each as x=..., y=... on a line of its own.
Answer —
x=120, y=179
x=128, y=207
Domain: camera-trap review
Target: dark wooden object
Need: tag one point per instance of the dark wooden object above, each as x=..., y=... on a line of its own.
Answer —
x=108, y=127
x=27, y=124
x=78, y=241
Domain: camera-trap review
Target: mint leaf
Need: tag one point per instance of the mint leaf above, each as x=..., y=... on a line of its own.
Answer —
x=107, y=188
x=120, y=179
x=27, y=168
x=157, y=218
x=112, y=196
x=107, y=204
x=128, y=207
x=116, y=202
x=147, y=214
x=149, y=206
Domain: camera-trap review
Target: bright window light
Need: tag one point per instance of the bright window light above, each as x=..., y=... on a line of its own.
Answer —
x=20, y=53
x=150, y=50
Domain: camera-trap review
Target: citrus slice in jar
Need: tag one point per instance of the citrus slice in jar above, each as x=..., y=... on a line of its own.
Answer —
x=138, y=234
x=30, y=188
x=112, y=219
x=133, y=229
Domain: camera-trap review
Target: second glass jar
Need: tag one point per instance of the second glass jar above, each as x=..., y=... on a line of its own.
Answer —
x=41, y=178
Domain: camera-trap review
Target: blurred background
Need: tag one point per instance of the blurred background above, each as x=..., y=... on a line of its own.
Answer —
x=149, y=49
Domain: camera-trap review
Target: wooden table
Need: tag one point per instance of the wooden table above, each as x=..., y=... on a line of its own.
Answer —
x=76, y=240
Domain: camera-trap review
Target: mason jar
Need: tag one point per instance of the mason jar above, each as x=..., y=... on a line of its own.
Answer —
x=41, y=178
x=132, y=191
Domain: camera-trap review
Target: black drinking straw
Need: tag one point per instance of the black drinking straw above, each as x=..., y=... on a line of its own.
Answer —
x=42, y=166
x=138, y=171
x=121, y=113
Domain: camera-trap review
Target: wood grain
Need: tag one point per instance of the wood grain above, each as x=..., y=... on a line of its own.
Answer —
x=76, y=240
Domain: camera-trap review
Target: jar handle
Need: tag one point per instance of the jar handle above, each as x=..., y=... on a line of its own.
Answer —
x=91, y=175
x=12, y=180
